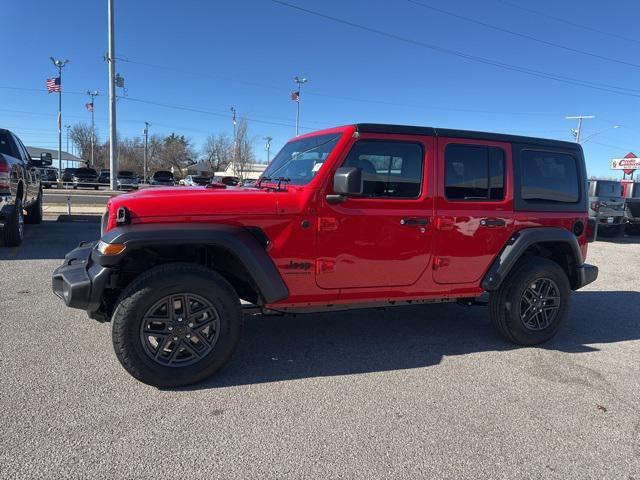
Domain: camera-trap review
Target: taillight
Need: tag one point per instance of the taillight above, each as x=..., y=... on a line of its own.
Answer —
x=5, y=176
x=595, y=206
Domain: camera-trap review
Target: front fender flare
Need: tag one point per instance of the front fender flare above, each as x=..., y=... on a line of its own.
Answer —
x=237, y=240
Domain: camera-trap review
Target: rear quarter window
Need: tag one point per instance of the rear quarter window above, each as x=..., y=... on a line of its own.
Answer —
x=549, y=178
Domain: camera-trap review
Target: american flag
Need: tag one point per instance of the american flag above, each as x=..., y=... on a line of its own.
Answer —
x=295, y=96
x=53, y=84
x=89, y=106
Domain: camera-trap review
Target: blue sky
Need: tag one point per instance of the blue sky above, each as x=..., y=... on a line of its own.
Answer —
x=209, y=56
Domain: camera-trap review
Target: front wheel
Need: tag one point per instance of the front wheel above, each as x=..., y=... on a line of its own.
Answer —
x=532, y=302
x=12, y=233
x=176, y=325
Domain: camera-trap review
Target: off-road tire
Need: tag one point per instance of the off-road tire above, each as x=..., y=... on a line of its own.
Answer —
x=34, y=211
x=504, y=303
x=632, y=229
x=12, y=234
x=152, y=286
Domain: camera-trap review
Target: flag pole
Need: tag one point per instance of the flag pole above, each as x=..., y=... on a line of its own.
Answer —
x=59, y=64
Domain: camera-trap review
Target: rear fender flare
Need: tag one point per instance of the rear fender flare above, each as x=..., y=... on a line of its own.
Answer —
x=518, y=244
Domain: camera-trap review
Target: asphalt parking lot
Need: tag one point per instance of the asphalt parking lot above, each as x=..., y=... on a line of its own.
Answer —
x=427, y=391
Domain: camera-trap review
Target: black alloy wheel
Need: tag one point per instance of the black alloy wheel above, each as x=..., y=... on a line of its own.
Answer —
x=180, y=329
x=539, y=304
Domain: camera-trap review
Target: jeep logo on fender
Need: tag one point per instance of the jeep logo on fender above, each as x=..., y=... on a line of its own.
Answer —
x=297, y=266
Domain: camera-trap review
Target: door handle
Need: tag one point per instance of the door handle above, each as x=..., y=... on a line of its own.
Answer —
x=410, y=222
x=492, y=222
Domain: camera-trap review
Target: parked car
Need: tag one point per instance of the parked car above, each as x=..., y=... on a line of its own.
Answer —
x=48, y=177
x=67, y=175
x=104, y=176
x=127, y=180
x=226, y=180
x=358, y=216
x=163, y=177
x=196, y=180
x=20, y=188
x=85, y=177
x=631, y=193
x=606, y=206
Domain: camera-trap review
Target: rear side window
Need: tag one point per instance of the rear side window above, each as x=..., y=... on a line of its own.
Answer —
x=549, y=177
x=390, y=169
x=473, y=172
x=6, y=145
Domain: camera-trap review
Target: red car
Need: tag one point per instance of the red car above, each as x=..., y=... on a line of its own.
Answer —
x=357, y=216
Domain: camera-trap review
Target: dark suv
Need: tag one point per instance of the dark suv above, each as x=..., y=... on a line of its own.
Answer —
x=85, y=177
x=163, y=178
x=358, y=216
x=606, y=206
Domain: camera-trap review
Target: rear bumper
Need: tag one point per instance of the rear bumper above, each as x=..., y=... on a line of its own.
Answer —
x=81, y=282
x=586, y=275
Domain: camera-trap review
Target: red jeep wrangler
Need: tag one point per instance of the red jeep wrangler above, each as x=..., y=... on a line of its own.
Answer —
x=351, y=217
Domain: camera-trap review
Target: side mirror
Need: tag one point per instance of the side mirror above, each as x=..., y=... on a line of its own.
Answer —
x=346, y=181
x=46, y=158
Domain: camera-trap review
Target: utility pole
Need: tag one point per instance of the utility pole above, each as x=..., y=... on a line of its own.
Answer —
x=92, y=95
x=59, y=64
x=111, y=58
x=235, y=139
x=267, y=147
x=576, y=132
x=296, y=97
x=146, y=149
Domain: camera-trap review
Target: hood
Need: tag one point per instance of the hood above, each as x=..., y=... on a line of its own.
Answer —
x=165, y=202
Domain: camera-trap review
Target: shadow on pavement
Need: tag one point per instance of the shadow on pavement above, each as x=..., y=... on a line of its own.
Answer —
x=54, y=238
x=287, y=348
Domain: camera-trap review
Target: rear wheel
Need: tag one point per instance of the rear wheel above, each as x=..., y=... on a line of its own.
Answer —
x=532, y=302
x=34, y=211
x=13, y=231
x=176, y=325
x=632, y=229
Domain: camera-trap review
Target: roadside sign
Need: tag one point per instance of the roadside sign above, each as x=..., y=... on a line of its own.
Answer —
x=629, y=162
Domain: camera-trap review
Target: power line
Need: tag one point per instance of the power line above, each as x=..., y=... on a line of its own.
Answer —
x=339, y=97
x=536, y=73
x=568, y=22
x=523, y=35
x=205, y=112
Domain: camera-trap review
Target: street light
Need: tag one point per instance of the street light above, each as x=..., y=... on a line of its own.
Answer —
x=299, y=81
x=59, y=64
x=598, y=133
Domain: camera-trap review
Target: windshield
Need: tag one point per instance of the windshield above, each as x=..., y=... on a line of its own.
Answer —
x=125, y=174
x=163, y=175
x=300, y=160
x=85, y=171
x=608, y=189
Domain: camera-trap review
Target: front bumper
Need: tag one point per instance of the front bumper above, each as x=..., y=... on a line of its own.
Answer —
x=80, y=282
x=586, y=275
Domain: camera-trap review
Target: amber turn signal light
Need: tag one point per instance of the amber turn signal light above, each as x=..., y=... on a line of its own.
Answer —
x=109, y=248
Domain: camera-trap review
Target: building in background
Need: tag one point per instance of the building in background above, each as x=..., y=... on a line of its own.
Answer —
x=68, y=160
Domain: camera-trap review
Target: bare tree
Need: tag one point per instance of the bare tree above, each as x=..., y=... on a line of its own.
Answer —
x=218, y=151
x=80, y=134
x=244, y=156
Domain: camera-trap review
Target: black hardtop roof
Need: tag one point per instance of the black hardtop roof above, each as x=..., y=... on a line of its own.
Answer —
x=468, y=134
